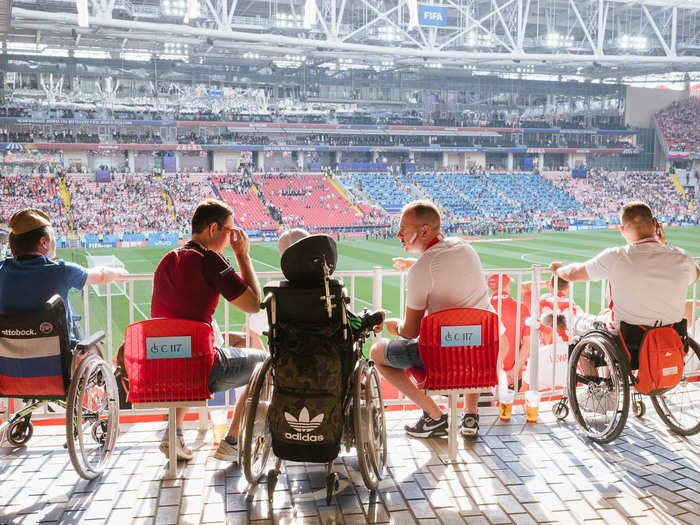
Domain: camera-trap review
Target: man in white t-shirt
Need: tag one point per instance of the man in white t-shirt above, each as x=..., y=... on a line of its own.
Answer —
x=648, y=279
x=447, y=274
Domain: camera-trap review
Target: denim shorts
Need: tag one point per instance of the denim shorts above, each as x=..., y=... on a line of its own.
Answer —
x=233, y=367
x=403, y=354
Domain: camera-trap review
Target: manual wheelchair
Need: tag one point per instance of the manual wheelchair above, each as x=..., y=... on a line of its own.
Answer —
x=308, y=301
x=600, y=389
x=38, y=366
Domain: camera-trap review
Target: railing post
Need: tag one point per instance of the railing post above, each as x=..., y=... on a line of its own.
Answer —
x=109, y=322
x=377, y=288
x=535, y=330
x=86, y=309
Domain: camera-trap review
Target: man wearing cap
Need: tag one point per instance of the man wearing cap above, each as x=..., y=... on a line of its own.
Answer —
x=33, y=274
x=509, y=317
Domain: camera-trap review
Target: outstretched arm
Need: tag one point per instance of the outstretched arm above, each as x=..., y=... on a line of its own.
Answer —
x=104, y=275
x=571, y=272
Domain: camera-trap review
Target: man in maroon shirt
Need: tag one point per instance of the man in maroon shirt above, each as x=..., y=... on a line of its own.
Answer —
x=187, y=284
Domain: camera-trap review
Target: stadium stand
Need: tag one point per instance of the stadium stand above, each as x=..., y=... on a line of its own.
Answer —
x=238, y=192
x=680, y=125
x=380, y=188
x=23, y=191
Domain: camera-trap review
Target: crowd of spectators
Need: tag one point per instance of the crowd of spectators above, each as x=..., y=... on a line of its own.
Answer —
x=680, y=125
x=602, y=193
x=35, y=191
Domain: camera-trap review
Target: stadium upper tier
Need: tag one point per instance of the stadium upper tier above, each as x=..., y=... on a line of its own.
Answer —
x=679, y=125
x=268, y=201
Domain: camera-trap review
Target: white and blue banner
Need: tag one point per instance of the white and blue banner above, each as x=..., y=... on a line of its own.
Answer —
x=432, y=15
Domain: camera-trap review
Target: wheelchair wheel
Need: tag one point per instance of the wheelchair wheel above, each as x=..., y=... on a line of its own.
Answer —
x=92, y=417
x=679, y=407
x=369, y=425
x=20, y=431
x=257, y=441
x=598, y=387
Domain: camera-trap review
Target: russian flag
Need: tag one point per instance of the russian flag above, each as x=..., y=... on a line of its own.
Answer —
x=31, y=367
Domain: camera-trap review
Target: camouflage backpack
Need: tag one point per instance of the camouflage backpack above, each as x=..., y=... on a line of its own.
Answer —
x=310, y=370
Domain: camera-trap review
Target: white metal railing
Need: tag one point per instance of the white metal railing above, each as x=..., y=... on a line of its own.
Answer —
x=378, y=278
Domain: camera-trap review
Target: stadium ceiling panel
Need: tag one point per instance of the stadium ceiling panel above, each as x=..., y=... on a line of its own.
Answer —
x=561, y=37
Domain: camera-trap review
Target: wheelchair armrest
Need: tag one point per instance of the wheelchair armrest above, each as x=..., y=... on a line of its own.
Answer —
x=87, y=342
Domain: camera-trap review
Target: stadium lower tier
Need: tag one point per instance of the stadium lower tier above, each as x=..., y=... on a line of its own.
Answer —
x=117, y=210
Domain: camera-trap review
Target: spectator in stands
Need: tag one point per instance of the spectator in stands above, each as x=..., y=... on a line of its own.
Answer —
x=509, y=317
x=648, y=279
x=187, y=284
x=34, y=274
x=447, y=274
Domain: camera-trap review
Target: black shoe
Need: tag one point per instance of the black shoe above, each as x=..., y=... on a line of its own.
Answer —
x=470, y=425
x=427, y=427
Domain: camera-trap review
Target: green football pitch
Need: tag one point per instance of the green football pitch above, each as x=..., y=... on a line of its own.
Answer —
x=358, y=254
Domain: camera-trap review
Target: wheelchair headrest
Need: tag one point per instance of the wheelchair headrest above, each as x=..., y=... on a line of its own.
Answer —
x=303, y=261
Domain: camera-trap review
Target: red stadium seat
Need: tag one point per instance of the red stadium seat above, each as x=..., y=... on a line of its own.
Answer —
x=459, y=348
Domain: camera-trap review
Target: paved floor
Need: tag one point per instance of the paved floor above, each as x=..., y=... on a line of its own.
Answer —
x=515, y=472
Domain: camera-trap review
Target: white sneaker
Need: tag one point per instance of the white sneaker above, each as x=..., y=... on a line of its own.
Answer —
x=226, y=452
x=183, y=452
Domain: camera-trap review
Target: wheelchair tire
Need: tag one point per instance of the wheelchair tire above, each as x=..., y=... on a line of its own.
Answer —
x=19, y=432
x=92, y=402
x=369, y=425
x=257, y=441
x=679, y=407
x=599, y=396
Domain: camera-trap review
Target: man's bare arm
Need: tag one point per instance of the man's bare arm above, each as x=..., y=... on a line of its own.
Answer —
x=571, y=272
x=104, y=275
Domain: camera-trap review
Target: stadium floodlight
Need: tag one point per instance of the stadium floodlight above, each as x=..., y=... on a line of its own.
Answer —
x=175, y=51
x=553, y=39
x=412, y=14
x=83, y=12
x=635, y=43
x=192, y=11
x=310, y=16
x=174, y=8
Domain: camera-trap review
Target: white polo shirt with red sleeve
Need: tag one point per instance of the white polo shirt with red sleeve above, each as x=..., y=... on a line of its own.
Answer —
x=648, y=281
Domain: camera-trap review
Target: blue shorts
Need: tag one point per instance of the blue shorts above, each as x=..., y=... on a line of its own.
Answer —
x=403, y=354
x=233, y=367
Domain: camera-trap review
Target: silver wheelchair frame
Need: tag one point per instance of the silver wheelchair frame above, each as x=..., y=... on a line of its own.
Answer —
x=91, y=401
x=599, y=382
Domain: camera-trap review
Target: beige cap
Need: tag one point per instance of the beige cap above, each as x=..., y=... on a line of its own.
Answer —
x=290, y=237
x=27, y=220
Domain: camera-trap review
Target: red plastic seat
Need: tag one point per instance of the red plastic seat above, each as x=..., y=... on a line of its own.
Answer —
x=466, y=366
x=168, y=360
x=452, y=368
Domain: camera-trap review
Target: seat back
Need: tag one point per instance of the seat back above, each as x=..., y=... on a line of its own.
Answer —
x=459, y=349
x=35, y=353
x=168, y=360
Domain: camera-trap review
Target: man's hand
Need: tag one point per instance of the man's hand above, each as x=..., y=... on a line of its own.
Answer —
x=392, y=327
x=555, y=266
x=239, y=242
x=104, y=275
x=660, y=234
x=403, y=264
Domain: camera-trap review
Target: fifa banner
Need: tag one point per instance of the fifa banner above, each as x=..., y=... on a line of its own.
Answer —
x=432, y=15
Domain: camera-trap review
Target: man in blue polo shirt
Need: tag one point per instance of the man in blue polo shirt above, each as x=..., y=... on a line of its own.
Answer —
x=33, y=274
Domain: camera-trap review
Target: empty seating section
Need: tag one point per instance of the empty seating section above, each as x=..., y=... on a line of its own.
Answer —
x=307, y=200
x=462, y=195
x=386, y=191
x=238, y=192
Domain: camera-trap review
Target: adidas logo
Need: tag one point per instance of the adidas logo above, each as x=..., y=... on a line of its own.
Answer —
x=303, y=425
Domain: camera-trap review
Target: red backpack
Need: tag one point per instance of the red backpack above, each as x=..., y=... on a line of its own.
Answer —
x=661, y=359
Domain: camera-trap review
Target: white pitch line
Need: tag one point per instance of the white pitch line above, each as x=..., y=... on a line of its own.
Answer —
x=264, y=263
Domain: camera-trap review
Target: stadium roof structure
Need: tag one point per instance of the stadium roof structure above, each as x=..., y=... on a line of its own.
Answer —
x=587, y=39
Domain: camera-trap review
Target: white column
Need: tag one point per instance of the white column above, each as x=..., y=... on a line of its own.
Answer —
x=445, y=159
x=540, y=163
x=260, y=161
x=300, y=160
x=510, y=162
x=132, y=161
